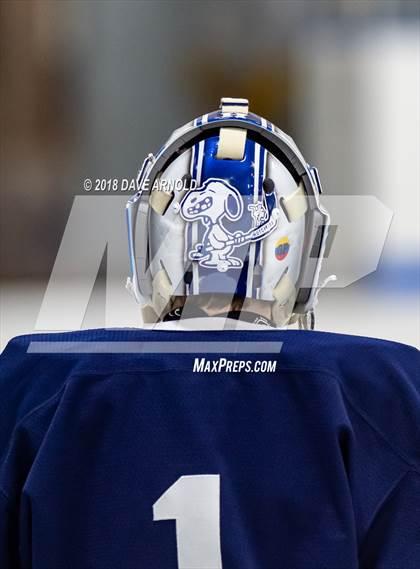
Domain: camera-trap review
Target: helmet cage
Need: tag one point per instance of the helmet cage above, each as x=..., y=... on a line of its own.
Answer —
x=274, y=141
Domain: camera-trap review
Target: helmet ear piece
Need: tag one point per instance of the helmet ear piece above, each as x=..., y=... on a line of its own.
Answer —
x=233, y=207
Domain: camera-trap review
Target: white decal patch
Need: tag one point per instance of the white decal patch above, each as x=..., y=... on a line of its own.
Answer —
x=215, y=201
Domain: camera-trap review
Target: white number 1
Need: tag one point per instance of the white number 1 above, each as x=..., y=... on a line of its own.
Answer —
x=194, y=502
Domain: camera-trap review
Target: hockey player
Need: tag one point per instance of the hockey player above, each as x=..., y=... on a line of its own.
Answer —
x=215, y=437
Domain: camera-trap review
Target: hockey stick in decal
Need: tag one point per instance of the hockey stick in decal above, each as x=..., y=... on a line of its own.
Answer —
x=254, y=234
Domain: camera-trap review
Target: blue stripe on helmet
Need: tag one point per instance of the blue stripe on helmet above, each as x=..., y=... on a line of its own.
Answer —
x=240, y=175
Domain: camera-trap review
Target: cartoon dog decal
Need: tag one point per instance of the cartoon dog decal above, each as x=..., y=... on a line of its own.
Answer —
x=213, y=202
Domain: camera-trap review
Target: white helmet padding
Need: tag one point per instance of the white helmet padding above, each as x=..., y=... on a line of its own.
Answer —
x=261, y=234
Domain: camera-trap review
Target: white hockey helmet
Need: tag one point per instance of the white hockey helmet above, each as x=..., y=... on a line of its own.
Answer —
x=227, y=206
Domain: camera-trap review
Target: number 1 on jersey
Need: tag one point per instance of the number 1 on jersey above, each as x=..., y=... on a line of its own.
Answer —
x=194, y=502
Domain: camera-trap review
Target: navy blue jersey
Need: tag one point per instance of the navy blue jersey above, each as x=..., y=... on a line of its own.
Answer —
x=117, y=453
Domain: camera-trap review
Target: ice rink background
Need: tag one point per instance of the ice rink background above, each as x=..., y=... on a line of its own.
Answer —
x=88, y=89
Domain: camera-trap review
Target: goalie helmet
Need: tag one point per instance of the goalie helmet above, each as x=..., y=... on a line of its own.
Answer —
x=227, y=206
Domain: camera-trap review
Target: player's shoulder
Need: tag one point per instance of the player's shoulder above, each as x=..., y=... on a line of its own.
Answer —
x=31, y=343
x=328, y=348
x=358, y=363
x=34, y=368
x=380, y=381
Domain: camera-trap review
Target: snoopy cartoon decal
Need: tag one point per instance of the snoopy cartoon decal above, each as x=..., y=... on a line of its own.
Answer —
x=215, y=201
